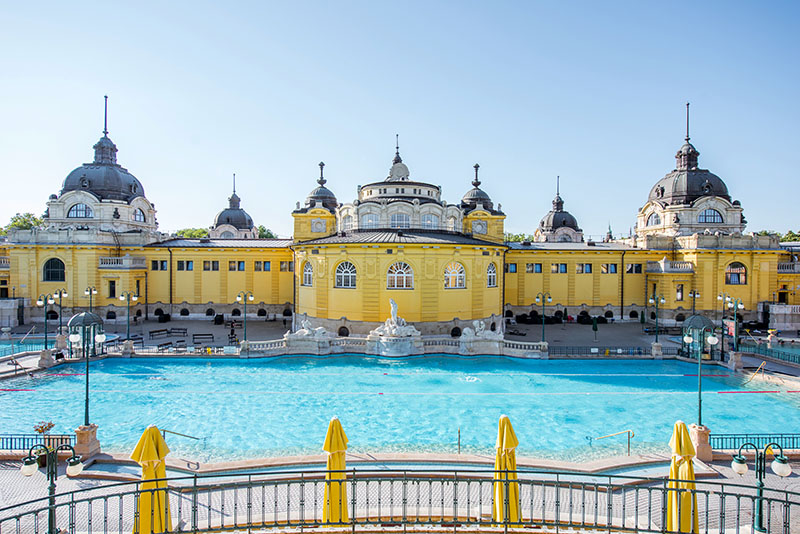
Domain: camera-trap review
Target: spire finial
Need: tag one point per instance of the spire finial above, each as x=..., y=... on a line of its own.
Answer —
x=321, y=180
x=234, y=183
x=397, y=144
x=105, y=115
x=687, y=122
x=476, y=182
x=558, y=186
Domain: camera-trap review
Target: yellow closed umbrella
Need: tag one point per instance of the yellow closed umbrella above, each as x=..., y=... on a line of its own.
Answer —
x=681, y=501
x=335, y=504
x=506, y=487
x=152, y=503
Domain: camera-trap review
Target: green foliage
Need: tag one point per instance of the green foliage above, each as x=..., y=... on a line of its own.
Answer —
x=518, y=238
x=265, y=233
x=23, y=221
x=790, y=236
x=192, y=232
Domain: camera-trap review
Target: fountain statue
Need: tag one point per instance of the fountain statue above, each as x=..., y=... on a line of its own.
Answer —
x=395, y=326
x=395, y=337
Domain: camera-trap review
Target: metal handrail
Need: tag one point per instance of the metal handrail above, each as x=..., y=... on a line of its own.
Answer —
x=416, y=499
x=630, y=435
x=164, y=432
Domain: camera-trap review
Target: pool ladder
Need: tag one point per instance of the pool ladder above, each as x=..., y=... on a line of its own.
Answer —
x=629, y=432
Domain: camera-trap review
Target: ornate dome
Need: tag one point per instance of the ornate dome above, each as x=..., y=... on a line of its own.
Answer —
x=558, y=218
x=321, y=194
x=476, y=195
x=104, y=178
x=686, y=183
x=234, y=215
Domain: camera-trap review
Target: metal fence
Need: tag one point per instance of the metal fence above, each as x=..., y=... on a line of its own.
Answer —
x=23, y=442
x=778, y=354
x=609, y=351
x=734, y=441
x=403, y=500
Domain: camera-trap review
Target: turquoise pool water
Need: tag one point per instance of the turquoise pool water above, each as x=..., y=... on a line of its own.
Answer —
x=281, y=406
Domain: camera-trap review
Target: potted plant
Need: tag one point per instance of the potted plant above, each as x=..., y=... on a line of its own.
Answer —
x=43, y=428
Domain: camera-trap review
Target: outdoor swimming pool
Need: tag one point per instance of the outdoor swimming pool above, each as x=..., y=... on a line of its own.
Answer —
x=281, y=406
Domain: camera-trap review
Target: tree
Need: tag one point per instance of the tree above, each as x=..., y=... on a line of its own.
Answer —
x=790, y=236
x=24, y=221
x=192, y=233
x=265, y=233
x=518, y=238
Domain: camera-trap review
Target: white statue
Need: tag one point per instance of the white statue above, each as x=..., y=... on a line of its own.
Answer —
x=393, y=305
x=395, y=326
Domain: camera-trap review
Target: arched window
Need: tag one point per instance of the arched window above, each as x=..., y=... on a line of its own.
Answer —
x=80, y=211
x=454, y=276
x=565, y=238
x=308, y=274
x=54, y=271
x=400, y=220
x=451, y=224
x=491, y=275
x=347, y=223
x=370, y=220
x=346, y=275
x=654, y=219
x=736, y=274
x=400, y=276
x=138, y=215
x=226, y=234
x=710, y=216
x=431, y=221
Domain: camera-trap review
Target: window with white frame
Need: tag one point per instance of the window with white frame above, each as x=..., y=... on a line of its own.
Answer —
x=308, y=274
x=710, y=216
x=454, y=276
x=429, y=220
x=654, y=219
x=346, y=275
x=347, y=223
x=80, y=211
x=400, y=220
x=400, y=276
x=491, y=275
x=138, y=215
x=369, y=220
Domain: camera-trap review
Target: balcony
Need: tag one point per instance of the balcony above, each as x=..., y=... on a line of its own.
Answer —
x=5, y=264
x=783, y=268
x=665, y=266
x=123, y=263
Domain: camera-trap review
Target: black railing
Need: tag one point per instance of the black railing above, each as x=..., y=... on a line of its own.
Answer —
x=378, y=499
x=777, y=354
x=610, y=352
x=23, y=442
x=734, y=441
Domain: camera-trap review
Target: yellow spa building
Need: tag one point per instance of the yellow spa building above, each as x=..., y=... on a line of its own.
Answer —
x=445, y=264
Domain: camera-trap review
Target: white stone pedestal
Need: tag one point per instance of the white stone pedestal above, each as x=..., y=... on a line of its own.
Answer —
x=61, y=342
x=655, y=351
x=735, y=361
x=86, y=443
x=699, y=435
x=46, y=358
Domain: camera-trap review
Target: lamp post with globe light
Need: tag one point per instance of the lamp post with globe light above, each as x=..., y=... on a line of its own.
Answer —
x=44, y=301
x=780, y=466
x=29, y=467
x=711, y=340
x=735, y=305
x=86, y=330
x=656, y=300
x=694, y=294
x=89, y=291
x=128, y=296
x=541, y=297
x=60, y=293
x=243, y=297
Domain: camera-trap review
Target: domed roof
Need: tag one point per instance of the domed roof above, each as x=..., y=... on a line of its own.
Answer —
x=558, y=218
x=476, y=195
x=104, y=177
x=234, y=214
x=687, y=182
x=321, y=194
x=699, y=322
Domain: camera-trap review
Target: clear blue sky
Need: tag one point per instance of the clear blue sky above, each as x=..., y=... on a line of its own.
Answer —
x=593, y=92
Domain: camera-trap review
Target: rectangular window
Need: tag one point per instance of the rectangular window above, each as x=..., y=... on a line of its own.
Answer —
x=257, y=266
x=112, y=289
x=679, y=292
x=180, y=265
x=608, y=268
x=163, y=265
x=154, y=265
x=587, y=268
x=287, y=266
x=579, y=268
x=206, y=265
x=633, y=268
x=511, y=267
x=137, y=287
x=215, y=265
x=241, y=266
x=528, y=267
x=231, y=265
x=537, y=267
x=190, y=265
x=559, y=268
x=266, y=266
x=210, y=265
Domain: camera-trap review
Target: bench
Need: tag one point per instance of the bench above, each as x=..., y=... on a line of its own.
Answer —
x=234, y=324
x=164, y=346
x=198, y=339
x=180, y=346
x=154, y=334
x=177, y=332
